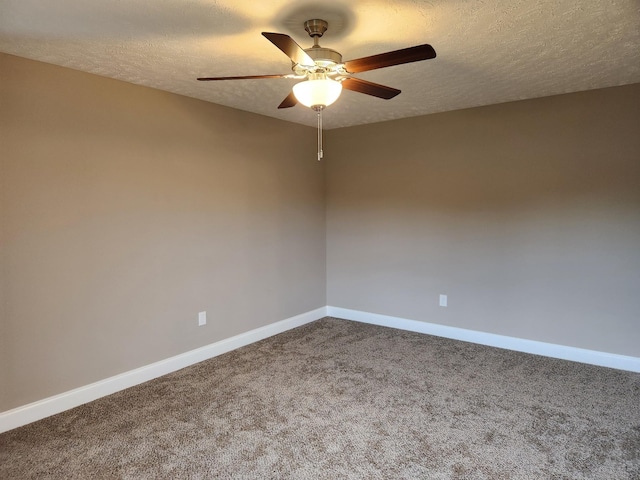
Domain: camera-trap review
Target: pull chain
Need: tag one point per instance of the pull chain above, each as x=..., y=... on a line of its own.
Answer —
x=320, y=152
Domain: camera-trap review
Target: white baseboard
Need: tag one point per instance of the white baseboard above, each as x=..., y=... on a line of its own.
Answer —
x=602, y=359
x=58, y=403
x=32, y=412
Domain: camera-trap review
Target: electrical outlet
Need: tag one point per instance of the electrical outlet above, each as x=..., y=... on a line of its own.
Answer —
x=443, y=300
x=202, y=319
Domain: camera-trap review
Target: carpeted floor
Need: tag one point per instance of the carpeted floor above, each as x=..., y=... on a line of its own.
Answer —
x=338, y=399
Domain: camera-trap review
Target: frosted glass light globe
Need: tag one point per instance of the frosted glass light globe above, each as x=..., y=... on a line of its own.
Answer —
x=320, y=92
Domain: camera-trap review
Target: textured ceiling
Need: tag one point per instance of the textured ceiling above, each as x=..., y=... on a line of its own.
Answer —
x=489, y=51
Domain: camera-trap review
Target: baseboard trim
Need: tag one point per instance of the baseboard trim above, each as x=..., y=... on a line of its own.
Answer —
x=592, y=357
x=40, y=409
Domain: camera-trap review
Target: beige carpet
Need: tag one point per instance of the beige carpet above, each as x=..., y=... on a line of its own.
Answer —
x=337, y=399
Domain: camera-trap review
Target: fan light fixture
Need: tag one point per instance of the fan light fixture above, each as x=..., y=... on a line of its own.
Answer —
x=326, y=74
x=317, y=92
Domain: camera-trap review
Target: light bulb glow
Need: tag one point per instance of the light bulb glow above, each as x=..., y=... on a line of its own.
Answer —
x=317, y=92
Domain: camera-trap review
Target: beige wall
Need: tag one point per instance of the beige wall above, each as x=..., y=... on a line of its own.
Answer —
x=526, y=214
x=126, y=211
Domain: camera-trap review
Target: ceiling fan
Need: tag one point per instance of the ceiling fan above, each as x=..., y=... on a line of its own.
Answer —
x=325, y=73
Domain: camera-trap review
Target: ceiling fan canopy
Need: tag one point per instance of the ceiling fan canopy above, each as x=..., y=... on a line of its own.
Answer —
x=325, y=74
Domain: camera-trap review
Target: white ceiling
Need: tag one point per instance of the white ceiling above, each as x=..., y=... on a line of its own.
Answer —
x=489, y=51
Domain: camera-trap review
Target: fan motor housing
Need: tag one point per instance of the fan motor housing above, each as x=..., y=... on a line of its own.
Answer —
x=324, y=57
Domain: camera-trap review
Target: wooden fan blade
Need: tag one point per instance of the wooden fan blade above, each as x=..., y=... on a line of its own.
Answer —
x=290, y=101
x=290, y=48
x=370, y=88
x=389, y=59
x=245, y=77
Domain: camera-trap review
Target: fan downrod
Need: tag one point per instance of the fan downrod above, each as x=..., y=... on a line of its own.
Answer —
x=325, y=58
